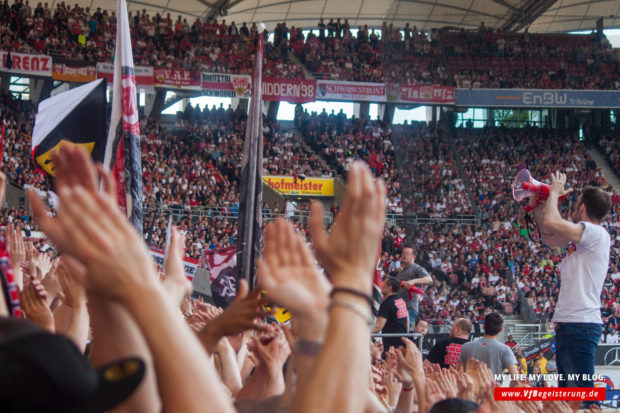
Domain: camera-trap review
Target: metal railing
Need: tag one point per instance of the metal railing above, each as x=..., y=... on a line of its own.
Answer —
x=525, y=340
x=532, y=338
x=415, y=337
x=218, y=212
x=406, y=220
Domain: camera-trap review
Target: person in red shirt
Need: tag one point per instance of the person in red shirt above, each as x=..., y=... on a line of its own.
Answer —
x=76, y=29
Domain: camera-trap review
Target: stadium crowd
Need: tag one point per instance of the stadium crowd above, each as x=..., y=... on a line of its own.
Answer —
x=537, y=61
x=197, y=165
x=105, y=297
x=610, y=147
x=537, y=149
x=80, y=33
x=385, y=54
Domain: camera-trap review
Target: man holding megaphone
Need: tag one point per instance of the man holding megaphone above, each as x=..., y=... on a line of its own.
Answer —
x=582, y=273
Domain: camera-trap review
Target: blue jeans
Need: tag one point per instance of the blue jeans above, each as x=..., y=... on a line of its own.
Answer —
x=575, y=347
x=413, y=316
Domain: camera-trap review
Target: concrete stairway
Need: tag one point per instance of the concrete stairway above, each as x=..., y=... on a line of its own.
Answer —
x=309, y=149
x=606, y=171
x=294, y=59
x=514, y=325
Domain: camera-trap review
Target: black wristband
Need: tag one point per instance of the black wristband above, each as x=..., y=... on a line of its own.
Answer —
x=352, y=291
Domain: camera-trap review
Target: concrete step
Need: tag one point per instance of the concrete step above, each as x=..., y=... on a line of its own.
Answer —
x=605, y=169
x=294, y=59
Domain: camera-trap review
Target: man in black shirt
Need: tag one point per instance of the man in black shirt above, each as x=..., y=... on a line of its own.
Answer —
x=392, y=316
x=446, y=352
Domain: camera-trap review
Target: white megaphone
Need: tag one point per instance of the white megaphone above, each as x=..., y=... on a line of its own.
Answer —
x=524, y=186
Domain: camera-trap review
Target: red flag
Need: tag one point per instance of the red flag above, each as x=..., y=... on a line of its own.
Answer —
x=123, y=148
x=221, y=264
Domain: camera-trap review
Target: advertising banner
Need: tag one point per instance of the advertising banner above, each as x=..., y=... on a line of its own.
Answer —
x=143, y=74
x=290, y=185
x=223, y=85
x=177, y=79
x=289, y=90
x=190, y=264
x=421, y=94
x=26, y=64
x=356, y=91
x=543, y=346
x=538, y=98
x=73, y=71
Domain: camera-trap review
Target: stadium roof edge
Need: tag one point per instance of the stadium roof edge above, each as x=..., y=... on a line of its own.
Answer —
x=539, y=16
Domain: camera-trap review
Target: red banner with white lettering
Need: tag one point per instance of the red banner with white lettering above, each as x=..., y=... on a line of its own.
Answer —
x=422, y=94
x=289, y=90
x=143, y=74
x=177, y=79
x=26, y=64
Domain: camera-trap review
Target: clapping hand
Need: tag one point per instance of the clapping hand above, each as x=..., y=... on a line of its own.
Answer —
x=292, y=280
x=349, y=253
x=33, y=299
x=15, y=245
x=176, y=282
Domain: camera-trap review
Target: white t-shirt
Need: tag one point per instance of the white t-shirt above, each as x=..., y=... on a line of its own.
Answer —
x=583, y=272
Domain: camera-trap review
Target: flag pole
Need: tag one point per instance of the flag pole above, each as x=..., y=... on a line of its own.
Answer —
x=2, y=142
x=250, y=208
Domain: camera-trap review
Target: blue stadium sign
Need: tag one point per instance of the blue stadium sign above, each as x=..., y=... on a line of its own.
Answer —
x=538, y=98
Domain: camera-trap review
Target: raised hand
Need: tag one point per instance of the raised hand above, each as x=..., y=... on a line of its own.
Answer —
x=472, y=369
x=15, y=245
x=291, y=278
x=465, y=387
x=90, y=227
x=176, y=283
x=349, y=253
x=558, y=180
x=73, y=169
x=447, y=383
x=33, y=299
x=433, y=392
x=97, y=234
x=241, y=315
x=398, y=368
x=380, y=385
x=73, y=293
x=2, y=185
x=410, y=358
x=394, y=386
x=273, y=351
x=530, y=406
